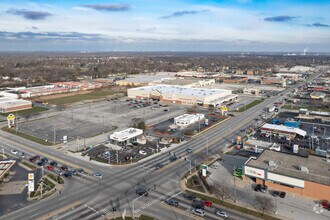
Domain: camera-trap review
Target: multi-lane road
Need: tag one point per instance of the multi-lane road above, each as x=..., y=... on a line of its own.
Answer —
x=87, y=197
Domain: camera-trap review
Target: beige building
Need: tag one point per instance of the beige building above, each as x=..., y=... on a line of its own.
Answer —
x=183, y=95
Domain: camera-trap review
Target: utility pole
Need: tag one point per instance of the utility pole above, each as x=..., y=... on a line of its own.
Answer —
x=235, y=185
x=41, y=189
x=71, y=116
x=117, y=156
x=54, y=140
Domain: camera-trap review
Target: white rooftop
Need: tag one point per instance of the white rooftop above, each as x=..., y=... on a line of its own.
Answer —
x=285, y=129
x=126, y=134
x=173, y=89
x=189, y=117
x=5, y=101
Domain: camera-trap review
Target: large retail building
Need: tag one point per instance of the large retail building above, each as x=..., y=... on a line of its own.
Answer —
x=12, y=105
x=183, y=95
x=303, y=175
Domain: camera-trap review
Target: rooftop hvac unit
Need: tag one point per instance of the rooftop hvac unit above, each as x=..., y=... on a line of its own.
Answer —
x=304, y=169
x=272, y=164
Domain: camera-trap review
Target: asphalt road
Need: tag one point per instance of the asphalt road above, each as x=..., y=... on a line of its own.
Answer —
x=118, y=184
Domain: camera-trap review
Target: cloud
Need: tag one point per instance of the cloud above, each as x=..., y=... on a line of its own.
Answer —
x=183, y=13
x=320, y=25
x=49, y=36
x=31, y=15
x=109, y=7
x=281, y=18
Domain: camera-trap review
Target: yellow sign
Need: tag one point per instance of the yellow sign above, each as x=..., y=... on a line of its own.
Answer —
x=10, y=117
x=31, y=176
x=224, y=108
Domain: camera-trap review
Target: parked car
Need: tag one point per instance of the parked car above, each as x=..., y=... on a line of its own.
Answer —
x=73, y=171
x=44, y=159
x=197, y=205
x=276, y=193
x=40, y=163
x=282, y=194
x=263, y=189
x=189, y=150
x=141, y=191
x=142, y=152
x=257, y=187
x=198, y=212
x=324, y=204
x=53, y=163
x=59, y=172
x=189, y=197
x=172, y=202
x=80, y=170
x=207, y=203
x=214, y=166
x=22, y=155
x=67, y=174
x=14, y=151
x=64, y=168
x=98, y=175
x=49, y=167
x=222, y=214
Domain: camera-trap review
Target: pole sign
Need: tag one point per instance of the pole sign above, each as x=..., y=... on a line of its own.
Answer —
x=204, y=172
x=65, y=139
x=31, y=182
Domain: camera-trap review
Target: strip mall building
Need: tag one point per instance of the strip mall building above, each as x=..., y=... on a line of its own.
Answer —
x=305, y=176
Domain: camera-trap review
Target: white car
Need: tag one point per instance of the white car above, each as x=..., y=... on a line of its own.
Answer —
x=214, y=166
x=98, y=175
x=14, y=151
x=222, y=214
x=142, y=152
x=59, y=172
x=198, y=212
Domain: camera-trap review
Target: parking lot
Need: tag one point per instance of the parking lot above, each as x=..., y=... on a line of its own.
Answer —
x=90, y=120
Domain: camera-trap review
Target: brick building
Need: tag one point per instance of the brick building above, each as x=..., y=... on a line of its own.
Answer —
x=303, y=175
x=12, y=105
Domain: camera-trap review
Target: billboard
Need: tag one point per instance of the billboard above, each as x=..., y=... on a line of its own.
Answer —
x=31, y=182
x=254, y=172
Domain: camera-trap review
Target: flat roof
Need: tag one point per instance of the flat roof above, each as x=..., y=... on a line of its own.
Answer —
x=126, y=134
x=289, y=164
x=5, y=167
x=5, y=102
x=171, y=89
x=284, y=128
x=188, y=117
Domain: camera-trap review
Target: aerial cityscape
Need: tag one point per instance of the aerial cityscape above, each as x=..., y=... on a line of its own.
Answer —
x=165, y=110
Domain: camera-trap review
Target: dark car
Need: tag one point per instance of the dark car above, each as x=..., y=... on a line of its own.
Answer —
x=189, y=150
x=53, y=163
x=64, y=168
x=282, y=194
x=257, y=187
x=264, y=189
x=80, y=170
x=44, y=159
x=173, y=158
x=172, y=202
x=189, y=197
x=40, y=163
x=73, y=171
x=197, y=205
x=67, y=174
x=276, y=193
x=141, y=191
x=159, y=166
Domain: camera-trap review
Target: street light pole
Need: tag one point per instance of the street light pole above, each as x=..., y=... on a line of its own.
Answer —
x=134, y=202
x=3, y=154
x=186, y=159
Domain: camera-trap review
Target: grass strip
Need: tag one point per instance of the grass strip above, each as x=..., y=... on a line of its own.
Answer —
x=29, y=165
x=250, y=105
x=31, y=111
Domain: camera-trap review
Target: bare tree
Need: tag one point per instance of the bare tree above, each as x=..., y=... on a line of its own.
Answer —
x=263, y=204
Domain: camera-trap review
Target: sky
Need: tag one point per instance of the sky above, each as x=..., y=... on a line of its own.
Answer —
x=165, y=25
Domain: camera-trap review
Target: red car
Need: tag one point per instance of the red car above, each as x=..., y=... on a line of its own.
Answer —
x=49, y=167
x=324, y=204
x=207, y=203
